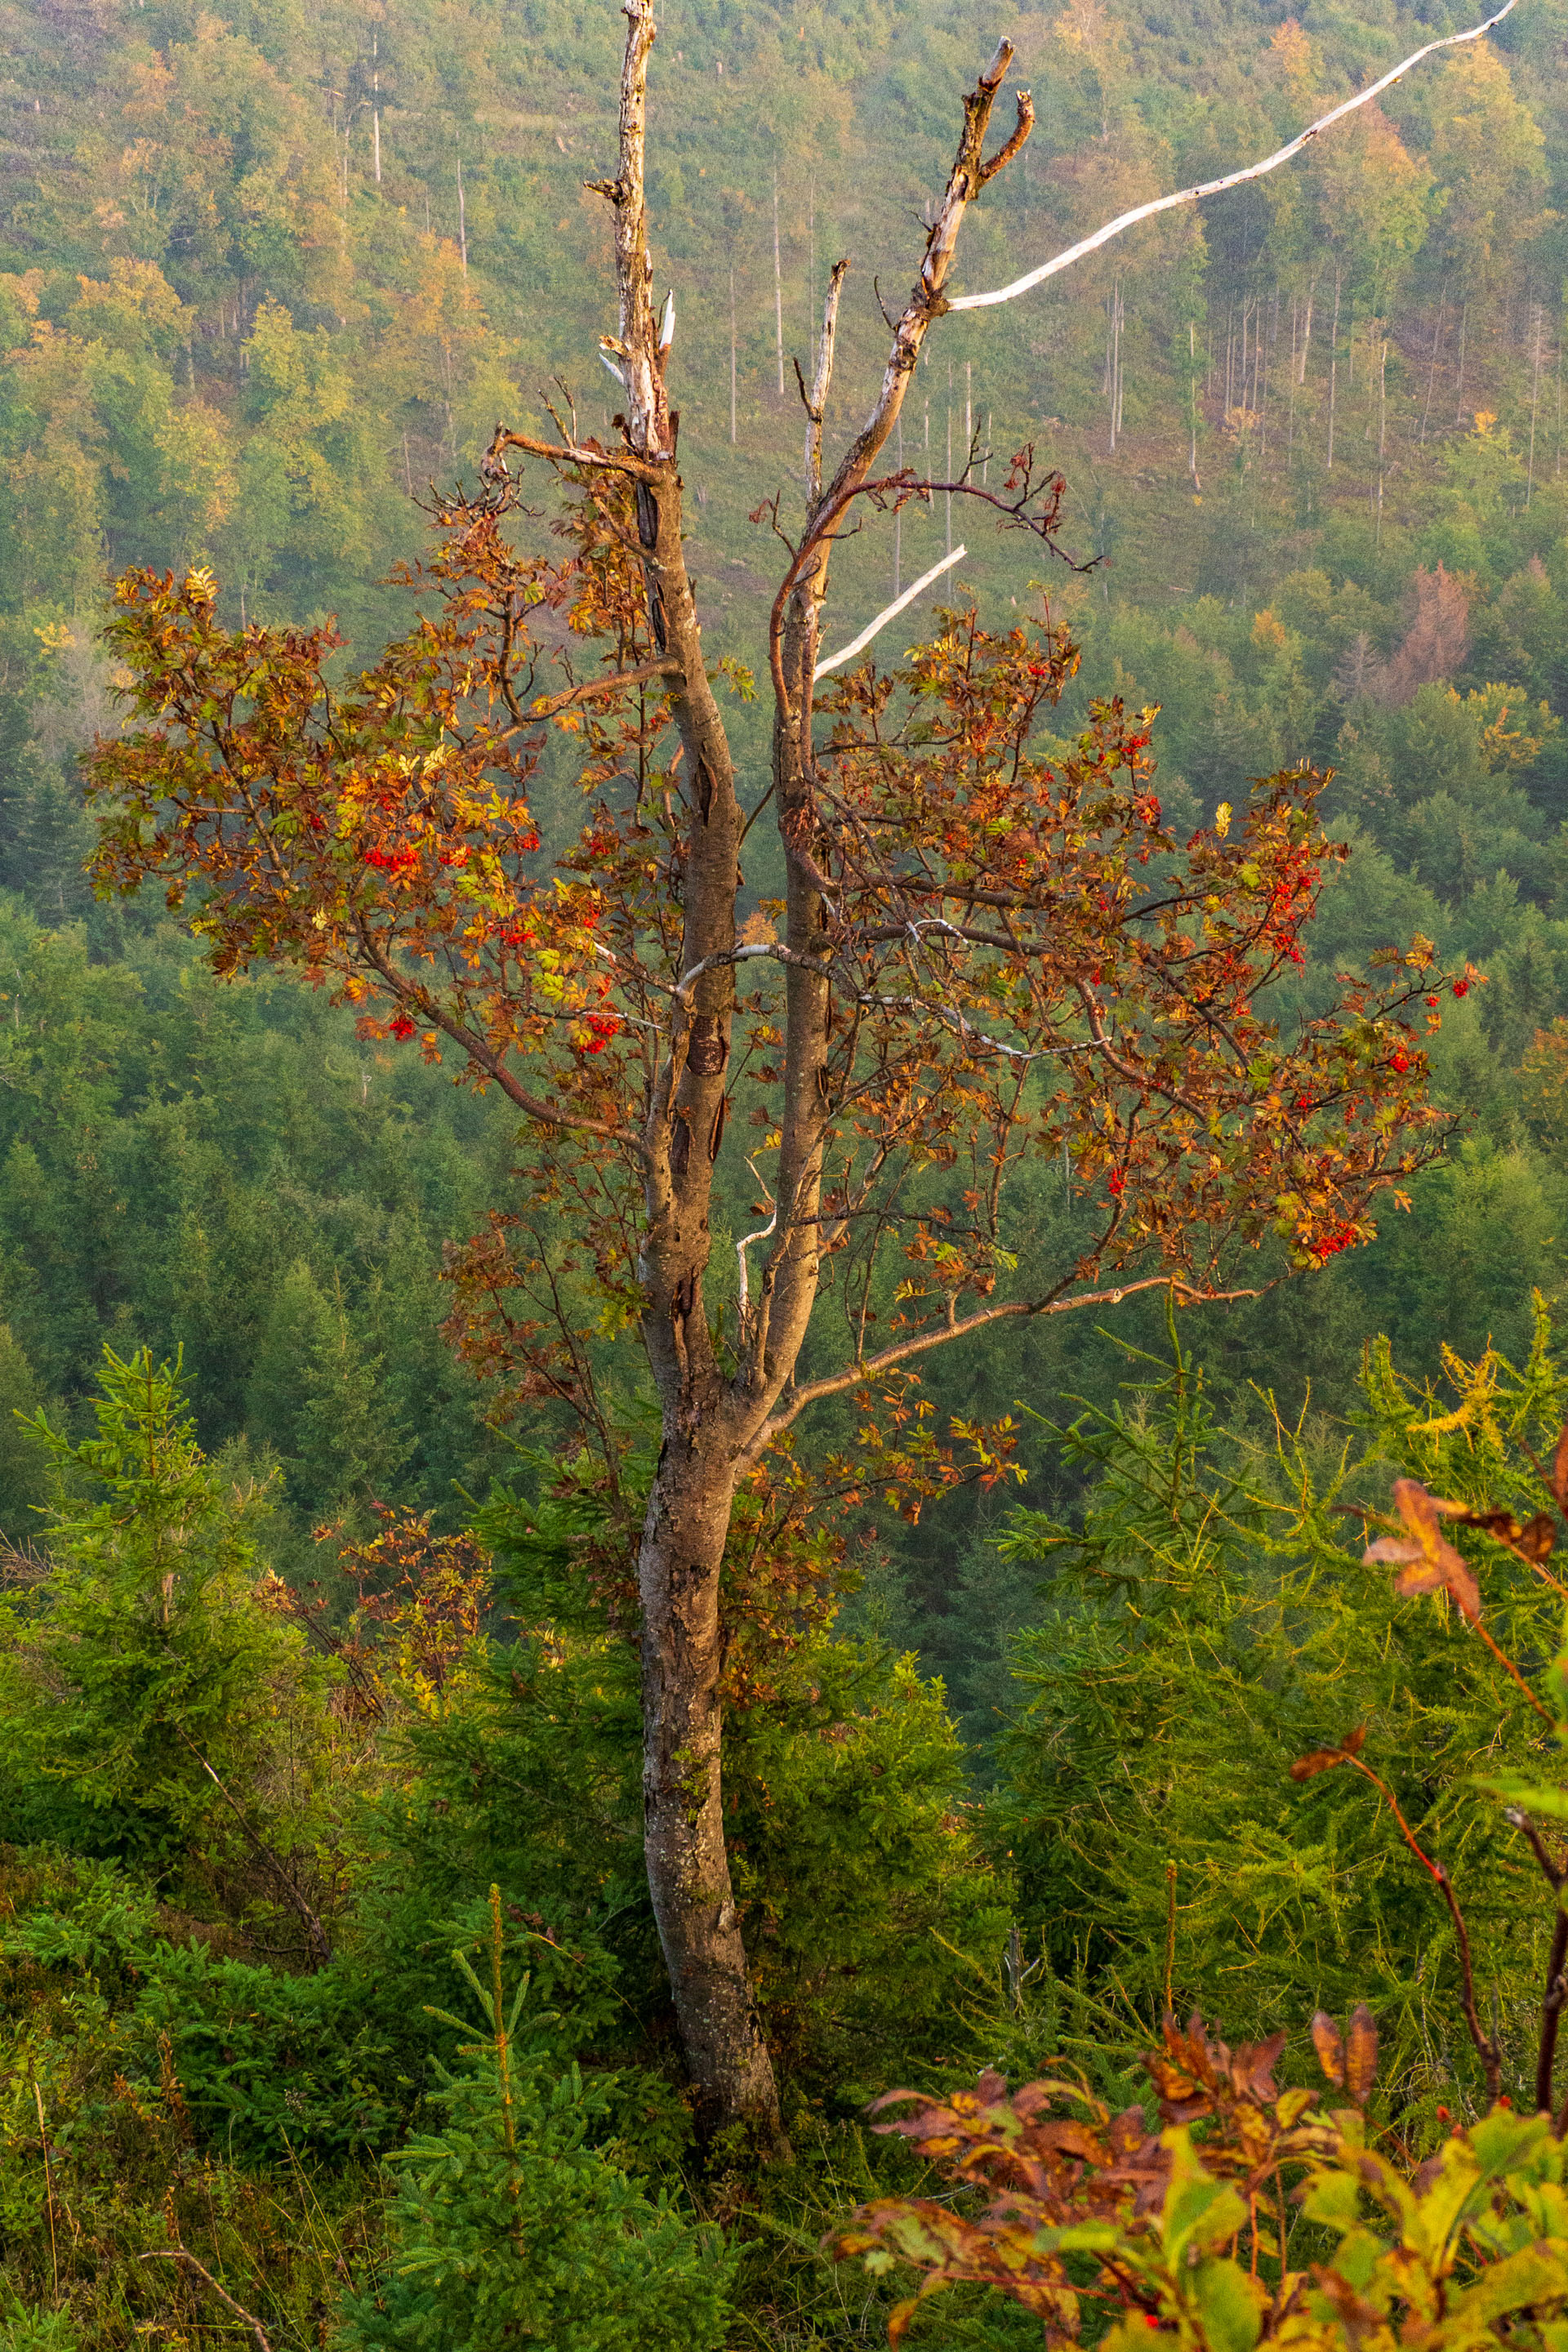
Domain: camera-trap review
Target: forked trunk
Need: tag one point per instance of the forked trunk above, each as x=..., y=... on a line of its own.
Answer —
x=713, y=1418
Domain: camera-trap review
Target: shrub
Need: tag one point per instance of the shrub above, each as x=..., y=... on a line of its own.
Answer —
x=1184, y=2226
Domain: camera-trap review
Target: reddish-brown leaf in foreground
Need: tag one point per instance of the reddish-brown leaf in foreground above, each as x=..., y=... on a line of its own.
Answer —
x=1329, y=2043
x=1560, y=1470
x=1532, y=1540
x=1360, y=2059
x=1324, y=1759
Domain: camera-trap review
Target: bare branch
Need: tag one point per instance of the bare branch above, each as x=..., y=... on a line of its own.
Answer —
x=549, y=705
x=316, y=1935
x=871, y=1367
x=890, y=612
x=179, y=2255
x=816, y=406
x=1211, y=187
x=493, y=465
x=760, y=1235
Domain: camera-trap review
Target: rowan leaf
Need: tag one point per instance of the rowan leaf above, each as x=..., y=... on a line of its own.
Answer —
x=1532, y=1540
x=1426, y=1560
x=1360, y=2055
x=1329, y=2043
x=1324, y=1759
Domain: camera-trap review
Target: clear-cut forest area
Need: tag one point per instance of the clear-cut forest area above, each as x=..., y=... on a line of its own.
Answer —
x=784, y=1408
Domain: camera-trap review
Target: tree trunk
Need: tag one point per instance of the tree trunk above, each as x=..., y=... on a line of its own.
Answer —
x=713, y=1422
x=689, y=1509
x=683, y=1808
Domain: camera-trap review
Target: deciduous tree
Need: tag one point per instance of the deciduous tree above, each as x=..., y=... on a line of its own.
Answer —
x=988, y=951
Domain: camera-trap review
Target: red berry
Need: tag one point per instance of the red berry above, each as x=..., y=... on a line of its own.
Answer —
x=1462, y=988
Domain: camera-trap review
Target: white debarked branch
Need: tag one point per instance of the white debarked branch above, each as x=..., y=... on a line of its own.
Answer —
x=1217, y=187
x=858, y=644
x=759, y=1235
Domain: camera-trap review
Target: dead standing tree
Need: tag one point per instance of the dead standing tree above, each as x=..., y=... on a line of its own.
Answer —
x=987, y=957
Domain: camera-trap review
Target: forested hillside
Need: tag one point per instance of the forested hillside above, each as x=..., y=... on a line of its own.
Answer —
x=250, y=318
x=318, y=1663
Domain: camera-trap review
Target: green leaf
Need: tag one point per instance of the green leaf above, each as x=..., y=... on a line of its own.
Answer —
x=1227, y=2305
x=1532, y=1796
x=1199, y=2210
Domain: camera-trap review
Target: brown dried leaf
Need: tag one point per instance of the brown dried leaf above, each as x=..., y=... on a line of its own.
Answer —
x=1252, y=2068
x=1172, y=2082
x=1426, y=1561
x=1560, y=1470
x=1532, y=1540
x=1539, y=1537
x=1329, y=2043
x=1360, y=2059
x=1324, y=1759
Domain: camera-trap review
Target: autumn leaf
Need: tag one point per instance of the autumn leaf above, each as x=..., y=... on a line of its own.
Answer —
x=1324, y=1759
x=1532, y=1540
x=1329, y=2043
x=1426, y=1560
x=1360, y=2059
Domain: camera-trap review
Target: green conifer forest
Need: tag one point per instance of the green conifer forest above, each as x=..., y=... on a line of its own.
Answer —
x=784, y=1443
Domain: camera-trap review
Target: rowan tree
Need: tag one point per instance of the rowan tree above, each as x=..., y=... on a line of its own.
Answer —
x=986, y=952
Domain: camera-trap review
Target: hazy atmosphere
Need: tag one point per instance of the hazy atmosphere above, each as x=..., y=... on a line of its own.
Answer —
x=732, y=1379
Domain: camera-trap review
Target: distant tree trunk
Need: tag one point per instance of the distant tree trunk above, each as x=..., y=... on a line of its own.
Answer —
x=1382, y=434
x=1538, y=324
x=1307, y=334
x=1333, y=369
x=1432, y=370
x=778, y=283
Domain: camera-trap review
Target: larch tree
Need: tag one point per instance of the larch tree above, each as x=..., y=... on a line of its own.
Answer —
x=986, y=955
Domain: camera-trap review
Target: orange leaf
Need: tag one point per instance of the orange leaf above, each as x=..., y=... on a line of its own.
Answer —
x=1426, y=1560
x=1324, y=1759
x=1329, y=2043
x=1361, y=2062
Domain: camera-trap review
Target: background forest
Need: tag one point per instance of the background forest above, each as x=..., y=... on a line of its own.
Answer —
x=267, y=273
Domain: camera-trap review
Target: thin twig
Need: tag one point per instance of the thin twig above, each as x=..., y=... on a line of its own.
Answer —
x=316, y=1935
x=49, y=2186
x=1556, y=1989
x=1487, y=2048
x=179, y=2255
